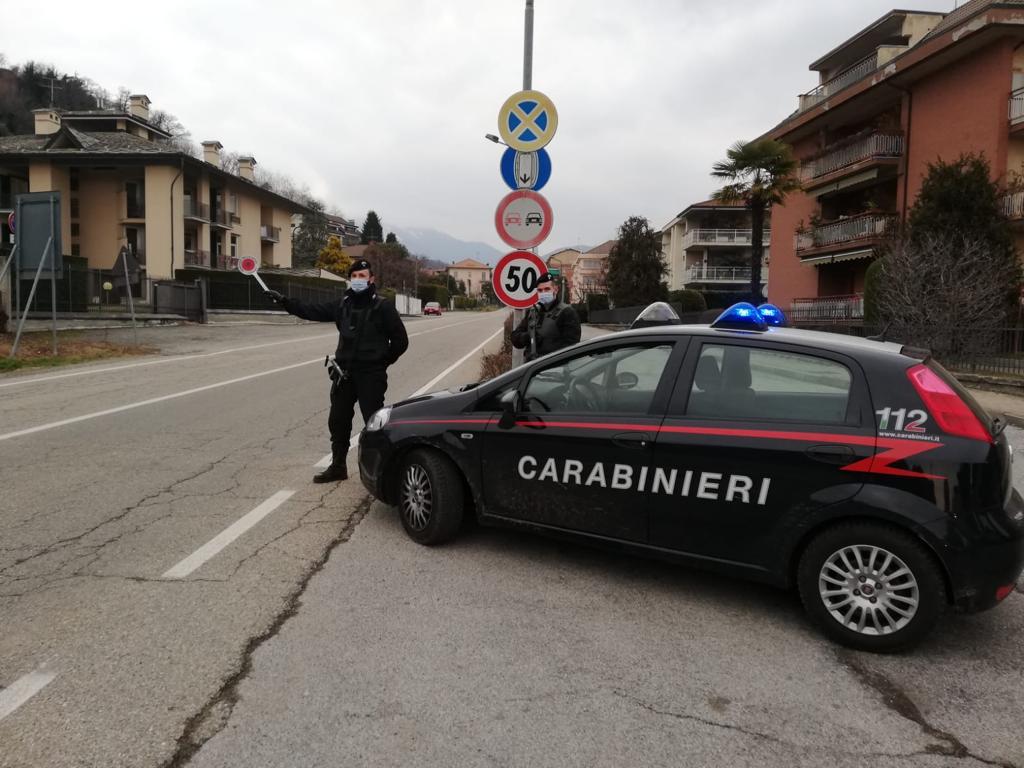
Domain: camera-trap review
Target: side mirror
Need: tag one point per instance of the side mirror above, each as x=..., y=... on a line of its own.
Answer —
x=509, y=408
x=627, y=380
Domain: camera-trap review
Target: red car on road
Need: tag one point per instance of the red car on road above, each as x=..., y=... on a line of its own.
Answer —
x=432, y=308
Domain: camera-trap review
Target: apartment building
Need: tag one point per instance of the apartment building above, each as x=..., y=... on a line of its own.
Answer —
x=564, y=261
x=123, y=184
x=471, y=272
x=346, y=230
x=903, y=92
x=590, y=271
x=707, y=247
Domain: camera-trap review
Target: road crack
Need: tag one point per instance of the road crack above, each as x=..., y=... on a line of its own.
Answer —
x=899, y=702
x=214, y=715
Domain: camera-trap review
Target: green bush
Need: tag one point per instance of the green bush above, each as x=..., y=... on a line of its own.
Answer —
x=466, y=302
x=388, y=293
x=724, y=299
x=433, y=292
x=597, y=301
x=690, y=300
x=872, y=288
x=582, y=311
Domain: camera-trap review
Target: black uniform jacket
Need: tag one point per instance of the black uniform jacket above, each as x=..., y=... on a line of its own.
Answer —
x=552, y=328
x=371, y=332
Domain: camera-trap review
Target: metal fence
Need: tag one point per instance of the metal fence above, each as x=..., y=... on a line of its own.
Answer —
x=84, y=290
x=985, y=351
x=247, y=296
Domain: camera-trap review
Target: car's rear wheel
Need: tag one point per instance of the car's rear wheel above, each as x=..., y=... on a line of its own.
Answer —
x=871, y=587
x=430, y=497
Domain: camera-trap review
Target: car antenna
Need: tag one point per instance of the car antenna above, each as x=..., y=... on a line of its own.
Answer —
x=881, y=336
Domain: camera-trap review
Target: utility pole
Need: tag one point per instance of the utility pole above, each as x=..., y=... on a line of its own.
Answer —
x=53, y=86
x=517, y=314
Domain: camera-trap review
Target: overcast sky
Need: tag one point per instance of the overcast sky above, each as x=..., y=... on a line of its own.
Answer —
x=383, y=104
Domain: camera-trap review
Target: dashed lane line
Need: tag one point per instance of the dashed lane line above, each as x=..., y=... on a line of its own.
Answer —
x=23, y=689
x=175, y=395
x=225, y=537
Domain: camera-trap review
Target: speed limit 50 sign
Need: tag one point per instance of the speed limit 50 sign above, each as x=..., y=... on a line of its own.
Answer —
x=515, y=279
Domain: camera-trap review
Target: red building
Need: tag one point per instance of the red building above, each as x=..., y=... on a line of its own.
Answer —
x=909, y=89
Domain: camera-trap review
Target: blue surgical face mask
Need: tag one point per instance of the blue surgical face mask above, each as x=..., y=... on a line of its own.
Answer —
x=359, y=284
x=545, y=298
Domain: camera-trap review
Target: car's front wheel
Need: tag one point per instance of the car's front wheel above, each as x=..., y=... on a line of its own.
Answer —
x=430, y=497
x=871, y=587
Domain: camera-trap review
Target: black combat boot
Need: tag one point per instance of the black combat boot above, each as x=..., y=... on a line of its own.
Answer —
x=337, y=471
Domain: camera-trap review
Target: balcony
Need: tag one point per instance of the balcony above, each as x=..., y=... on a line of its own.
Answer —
x=702, y=274
x=197, y=259
x=698, y=238
x=132, y=208
x=196, y=210
x=865, y=230
x=270, y=234
x=1013, y=206
x=220, y=218
x=828, y=309
x=847, y=77
x=1016, y=110
x=856, y=155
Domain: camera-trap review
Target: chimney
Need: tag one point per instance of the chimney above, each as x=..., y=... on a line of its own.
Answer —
x=247, y=168
x=138, y=105
x=47, y=121
x=211, y=152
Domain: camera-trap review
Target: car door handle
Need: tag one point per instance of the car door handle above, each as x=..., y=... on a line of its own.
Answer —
x=831, y=454
x=633, y=440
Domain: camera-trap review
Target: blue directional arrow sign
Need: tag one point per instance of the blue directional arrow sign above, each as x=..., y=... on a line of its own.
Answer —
x=526, y=170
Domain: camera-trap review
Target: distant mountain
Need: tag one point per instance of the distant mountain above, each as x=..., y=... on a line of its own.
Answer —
x=444, y=247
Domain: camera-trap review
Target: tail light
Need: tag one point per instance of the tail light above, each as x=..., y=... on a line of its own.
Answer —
x=952, y=414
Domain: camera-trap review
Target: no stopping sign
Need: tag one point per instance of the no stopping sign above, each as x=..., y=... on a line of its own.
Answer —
x=515, y=279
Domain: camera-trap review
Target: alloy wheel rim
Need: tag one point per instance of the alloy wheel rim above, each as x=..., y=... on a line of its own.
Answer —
x=868, y=590
x=417, y=498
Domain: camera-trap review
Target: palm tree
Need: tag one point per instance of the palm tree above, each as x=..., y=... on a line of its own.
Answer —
x=760, y=174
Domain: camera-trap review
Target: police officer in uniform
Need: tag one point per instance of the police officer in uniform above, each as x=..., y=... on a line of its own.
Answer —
x=549, y=325
x=372, y=337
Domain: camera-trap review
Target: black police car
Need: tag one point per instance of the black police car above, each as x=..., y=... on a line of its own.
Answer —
x=858, y=470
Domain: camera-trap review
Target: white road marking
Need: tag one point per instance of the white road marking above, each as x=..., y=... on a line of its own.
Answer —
x=174, y=395
x=228, y=535
x=162, y=361
x=197, y=356
x=152, y=401
x=23, y=689
x=426, y=387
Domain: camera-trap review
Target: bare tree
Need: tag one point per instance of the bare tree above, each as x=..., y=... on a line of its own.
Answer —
x=947, y=294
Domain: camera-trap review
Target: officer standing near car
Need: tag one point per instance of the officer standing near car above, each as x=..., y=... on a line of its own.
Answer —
x=549, y=325
x=371, y=337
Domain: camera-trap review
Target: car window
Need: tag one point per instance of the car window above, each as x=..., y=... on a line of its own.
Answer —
x=611, y=380
x=739, y=382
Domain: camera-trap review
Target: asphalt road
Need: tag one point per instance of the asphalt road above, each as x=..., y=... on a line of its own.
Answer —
x=114, y=474
x=324, y=637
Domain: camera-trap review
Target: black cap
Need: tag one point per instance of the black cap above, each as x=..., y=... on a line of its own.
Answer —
x=545, y=277
x=359, y=264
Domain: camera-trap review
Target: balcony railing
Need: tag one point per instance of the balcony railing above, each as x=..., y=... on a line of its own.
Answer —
x=270, y=234
x=742, y=237
x=828, y=309
x=1016, y=106
x=877, y=145
x=1013, y=206
x=858, y=71
x=196, y=210
x=702, y=274
x=221, y=218
x=869, y=225
x=197, y=258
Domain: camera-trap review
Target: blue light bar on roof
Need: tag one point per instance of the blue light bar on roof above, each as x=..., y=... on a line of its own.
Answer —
x=741, y=317
x=772, y=314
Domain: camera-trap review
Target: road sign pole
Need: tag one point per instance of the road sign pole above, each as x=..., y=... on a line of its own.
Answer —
x=517, y=314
